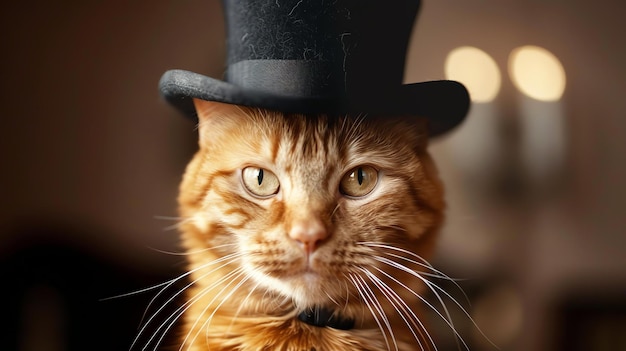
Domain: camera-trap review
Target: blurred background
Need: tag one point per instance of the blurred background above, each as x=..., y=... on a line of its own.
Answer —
x=92, y=157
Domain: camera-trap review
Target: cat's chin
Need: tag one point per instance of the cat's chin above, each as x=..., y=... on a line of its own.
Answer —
x=306, y=288
x=307, y=279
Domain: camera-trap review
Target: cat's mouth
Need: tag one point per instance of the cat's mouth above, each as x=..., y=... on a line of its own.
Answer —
x=324, y=317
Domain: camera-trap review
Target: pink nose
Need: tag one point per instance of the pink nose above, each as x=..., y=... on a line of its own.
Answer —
x=309, y=233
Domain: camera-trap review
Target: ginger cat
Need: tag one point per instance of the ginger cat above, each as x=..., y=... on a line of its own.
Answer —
x=307, y=232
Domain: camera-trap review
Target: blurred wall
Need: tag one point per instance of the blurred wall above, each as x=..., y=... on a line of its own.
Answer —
x=86, y=136
x=92, y=158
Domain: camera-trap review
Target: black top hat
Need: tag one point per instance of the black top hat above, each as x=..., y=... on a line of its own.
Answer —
x=321, y=56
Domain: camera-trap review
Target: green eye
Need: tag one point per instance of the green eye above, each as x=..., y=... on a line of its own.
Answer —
x=359, y=181
x=260, y=182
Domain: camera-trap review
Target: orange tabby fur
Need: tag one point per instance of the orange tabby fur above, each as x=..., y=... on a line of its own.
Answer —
x=251, y=278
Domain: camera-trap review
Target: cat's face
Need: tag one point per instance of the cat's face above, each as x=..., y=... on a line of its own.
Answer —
x=310, y=208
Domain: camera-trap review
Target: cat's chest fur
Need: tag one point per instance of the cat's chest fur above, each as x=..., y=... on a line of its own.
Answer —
x=288, y=213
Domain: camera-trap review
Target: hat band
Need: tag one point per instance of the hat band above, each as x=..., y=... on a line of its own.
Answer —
x=296, y=78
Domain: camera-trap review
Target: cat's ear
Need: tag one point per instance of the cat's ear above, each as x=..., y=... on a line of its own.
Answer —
x=213, y=116
x=209, y=110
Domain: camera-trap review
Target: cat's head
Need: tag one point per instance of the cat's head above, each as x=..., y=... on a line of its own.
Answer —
x=308, y=207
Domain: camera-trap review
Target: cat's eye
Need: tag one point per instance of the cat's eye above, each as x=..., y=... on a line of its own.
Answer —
x=260, y=182
x=359, y=181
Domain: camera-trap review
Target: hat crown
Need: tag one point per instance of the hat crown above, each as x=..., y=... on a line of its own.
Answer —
x=317, y=48
x=321, y=56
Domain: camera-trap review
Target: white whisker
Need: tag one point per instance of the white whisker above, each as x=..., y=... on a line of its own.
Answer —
x=372, y=304
x=447, y=319
x=335, y=210
x=438, y=275
x=406, y=310
x=175, y=226
x=238, y=273
x=465, y=313
x=432, y=284
x=423, y=263
x=394, y=227
x=229, y=258
x=390, y=247
x=243, y=303
x=207, y=323
x=189, y=253
x=332, y=299
x=171, y=320
x=172, y=253
x=136, y=292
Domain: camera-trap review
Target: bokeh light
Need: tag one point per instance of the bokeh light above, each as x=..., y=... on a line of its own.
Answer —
x=537, y=73
x=476, y=70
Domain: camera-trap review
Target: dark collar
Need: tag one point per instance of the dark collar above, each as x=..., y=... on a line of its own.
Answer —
x=322, y=317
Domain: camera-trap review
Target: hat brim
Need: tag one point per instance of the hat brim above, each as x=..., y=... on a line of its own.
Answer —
x=444, y=103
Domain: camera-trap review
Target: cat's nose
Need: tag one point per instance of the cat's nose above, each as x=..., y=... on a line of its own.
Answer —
x=309, y=233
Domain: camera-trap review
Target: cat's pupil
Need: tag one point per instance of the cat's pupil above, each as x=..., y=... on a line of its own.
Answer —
x=260, y=176
x=359, y=175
